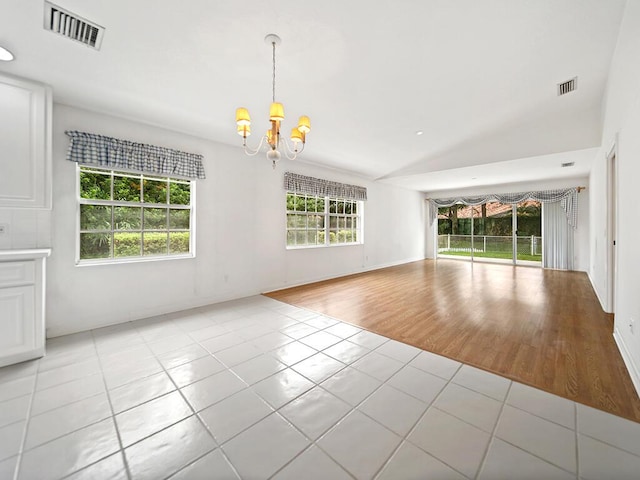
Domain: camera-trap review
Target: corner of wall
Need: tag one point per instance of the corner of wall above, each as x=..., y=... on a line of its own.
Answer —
x=634, y=372
x=603, y=304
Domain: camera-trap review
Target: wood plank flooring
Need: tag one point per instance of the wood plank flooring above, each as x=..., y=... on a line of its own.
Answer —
x=544, y=328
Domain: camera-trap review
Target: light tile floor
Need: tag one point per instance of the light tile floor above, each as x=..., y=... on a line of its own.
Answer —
x=256, y=388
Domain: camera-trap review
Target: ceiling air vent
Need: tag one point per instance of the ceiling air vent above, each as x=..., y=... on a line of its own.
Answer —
x=568, y=164
x=568, y=86
x=70, y=25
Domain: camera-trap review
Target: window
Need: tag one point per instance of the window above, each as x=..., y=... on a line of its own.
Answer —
x=125, y=215
x=321, y=221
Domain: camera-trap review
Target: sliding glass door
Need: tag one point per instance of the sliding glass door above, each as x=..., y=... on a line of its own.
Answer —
x=496, y=234
x=493, y=231
x=528, y=238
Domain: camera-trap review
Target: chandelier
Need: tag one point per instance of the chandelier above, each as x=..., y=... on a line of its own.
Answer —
x=274, y=142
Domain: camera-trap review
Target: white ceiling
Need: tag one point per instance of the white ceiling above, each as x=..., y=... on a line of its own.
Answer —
x=477, y=76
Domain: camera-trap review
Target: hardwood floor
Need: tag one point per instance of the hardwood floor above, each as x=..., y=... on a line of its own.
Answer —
x=544, y=328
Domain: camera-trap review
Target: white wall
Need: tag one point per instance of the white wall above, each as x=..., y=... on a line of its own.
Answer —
x=581, y=239
x=240, y=234
x=25, y=228
x=598, y=268
x=621, y=120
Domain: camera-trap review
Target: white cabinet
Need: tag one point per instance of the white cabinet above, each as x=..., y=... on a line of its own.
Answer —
x=22, y=302
x=25, y=143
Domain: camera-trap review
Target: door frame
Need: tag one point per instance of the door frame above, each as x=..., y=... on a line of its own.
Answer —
x=612, y=225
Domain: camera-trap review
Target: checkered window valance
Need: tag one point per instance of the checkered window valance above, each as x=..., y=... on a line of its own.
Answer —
x=567, y=197
x=323, y=188
x=107, y=152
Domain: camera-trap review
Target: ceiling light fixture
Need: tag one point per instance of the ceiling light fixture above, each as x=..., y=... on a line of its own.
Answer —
x=276, y=115
x=6, y=55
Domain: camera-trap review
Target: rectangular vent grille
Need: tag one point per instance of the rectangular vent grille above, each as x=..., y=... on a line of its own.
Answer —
x=70, y=25
x=568, y=86
x=568, y=164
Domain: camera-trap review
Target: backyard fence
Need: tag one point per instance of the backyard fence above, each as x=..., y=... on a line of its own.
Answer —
x=490, y=246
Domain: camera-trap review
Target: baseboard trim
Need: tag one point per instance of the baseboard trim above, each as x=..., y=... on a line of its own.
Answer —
x=633, y=370
x=394, y=264
x=108, y=321
x=593, y=286
x=340, y=275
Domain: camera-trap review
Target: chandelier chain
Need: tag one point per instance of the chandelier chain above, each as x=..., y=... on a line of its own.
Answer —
x=273, y=44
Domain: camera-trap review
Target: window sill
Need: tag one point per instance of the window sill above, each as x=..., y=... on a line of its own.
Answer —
x=111, y=261
x=308, y=247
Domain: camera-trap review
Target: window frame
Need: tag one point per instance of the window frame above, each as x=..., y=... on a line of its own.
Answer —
x=141, y=176
x=327, y=215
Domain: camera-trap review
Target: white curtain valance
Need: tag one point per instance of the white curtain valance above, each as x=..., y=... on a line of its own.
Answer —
x=107, y=152
x=323, y=188
x=567, y=197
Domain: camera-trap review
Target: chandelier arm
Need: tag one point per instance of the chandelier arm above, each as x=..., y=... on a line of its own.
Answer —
x=294, y=151
x=292, y=154
x=288, y=148
x=289, y=157
x=250, y=151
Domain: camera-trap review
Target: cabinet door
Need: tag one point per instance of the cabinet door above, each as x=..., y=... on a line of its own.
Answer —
x=17, y=325
x=25, y=143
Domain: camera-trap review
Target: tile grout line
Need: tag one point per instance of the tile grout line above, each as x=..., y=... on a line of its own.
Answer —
x=311, y=445
x=177, y=389
x=536, y=456
x=492, y=436
x=249, y=387
x=30, y=416
x=62, y=406
x=318, y=385
x=540, y=417
x=312, y=442
x=403, y=439
x=429, y=406
x=18, y=466
x=195, y=414
x=549, y=462
x=219, y=446
x=113, y=416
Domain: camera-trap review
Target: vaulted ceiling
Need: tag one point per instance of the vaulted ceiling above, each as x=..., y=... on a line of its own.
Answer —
x=478, y=77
